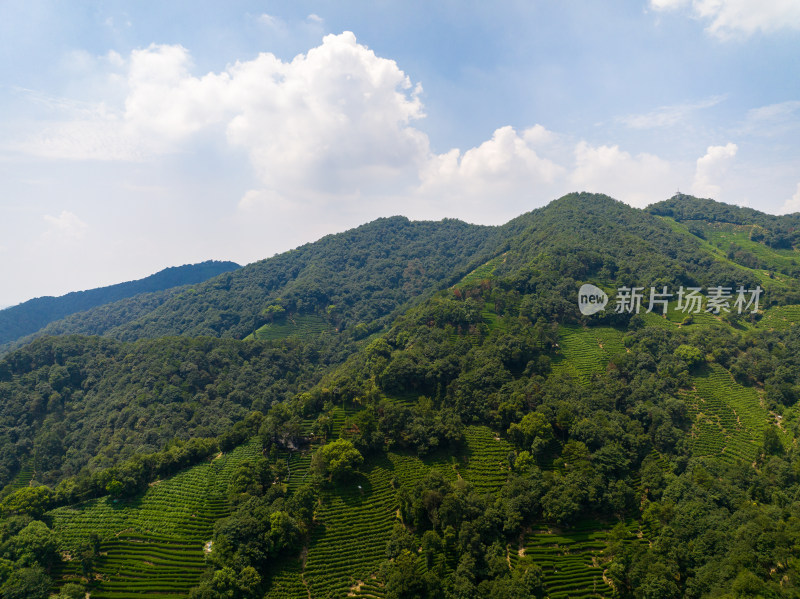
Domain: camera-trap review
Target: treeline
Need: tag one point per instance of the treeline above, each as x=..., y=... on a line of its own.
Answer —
x=595, y=238
x=778, y=232
x=126, y=479
x=359, y=277
x=101, y=320
x=131, y=476
x=28, y=551
x=28, y=317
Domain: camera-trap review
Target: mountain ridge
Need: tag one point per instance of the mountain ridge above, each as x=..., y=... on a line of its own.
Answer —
x=34, y=314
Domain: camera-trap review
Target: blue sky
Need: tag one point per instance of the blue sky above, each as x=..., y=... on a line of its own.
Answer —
x=140, y=135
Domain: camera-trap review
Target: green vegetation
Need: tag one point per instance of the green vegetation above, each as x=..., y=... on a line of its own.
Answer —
x=74, y=405
x=307, y=326
x=360, y=277
x=28, y=317
x=155, y=541
x=573, y=562
x=420, y=410
x=586, y=351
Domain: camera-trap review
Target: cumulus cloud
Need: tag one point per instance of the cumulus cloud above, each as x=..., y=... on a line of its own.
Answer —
x=337, y=126
x=507, y=161
x=637, y=180
x=729, y=19
x=792, y=204
x=711, y=170
x=336, y=118
x=65, y=226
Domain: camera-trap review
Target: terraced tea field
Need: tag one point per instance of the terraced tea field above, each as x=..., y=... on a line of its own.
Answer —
x=572, y=561
x=356, y=518
x=286, y=580
x=355, y=522
x=773, y=259
x=486, y=458
x=307, y=326
x=729, y=418
x=780, y=317
x=348, y=544
x=586, y=351
x=491, y=318
x=22, y=479
x=484, y=271
x=152, y=545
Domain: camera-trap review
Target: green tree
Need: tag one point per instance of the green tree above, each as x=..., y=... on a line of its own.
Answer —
x=690, y=354
x=401, y=579
x=34, y=545
x=71, y=591
x=533, y=432
x=27, y=583
x=772, y=442
x=337, y=460
x=33, y=501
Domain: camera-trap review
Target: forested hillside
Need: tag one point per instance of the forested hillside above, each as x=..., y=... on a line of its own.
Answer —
x=354, y=278
x=28, y=317
x=477, y=437
x=100, y=320
x=779, y=232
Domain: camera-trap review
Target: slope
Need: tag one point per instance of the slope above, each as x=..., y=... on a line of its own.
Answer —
x=73, y=405
x=359, y=277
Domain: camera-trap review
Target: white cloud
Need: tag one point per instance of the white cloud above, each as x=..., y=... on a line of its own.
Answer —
x=711, y=170
x=65, y=226
x=730, y=19
x=506, y=159
x=334, y=129
x=773, y=120
x=792, y=204
x=667, y=116
x=270, y=21
x=335, y=119
x=780, y=111
x=165, y=103
x=495, y=180
x=668, y=4
x=636, y=180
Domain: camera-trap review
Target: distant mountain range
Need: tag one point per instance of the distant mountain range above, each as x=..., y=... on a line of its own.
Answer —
x=30, y=316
